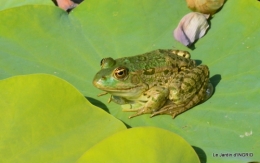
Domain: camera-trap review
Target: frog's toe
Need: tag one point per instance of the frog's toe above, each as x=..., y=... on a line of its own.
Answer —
x=140, y=112
x=172, y=110
x=173, y=114
x=155, y=114
x=163, y=111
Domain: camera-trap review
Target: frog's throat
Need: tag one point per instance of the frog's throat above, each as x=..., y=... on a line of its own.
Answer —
x=127, y=92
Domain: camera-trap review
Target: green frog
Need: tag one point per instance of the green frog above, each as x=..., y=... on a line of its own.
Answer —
x=158, y=82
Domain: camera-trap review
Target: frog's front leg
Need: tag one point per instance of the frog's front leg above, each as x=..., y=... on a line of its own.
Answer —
x=151, y=101
x=119, y=100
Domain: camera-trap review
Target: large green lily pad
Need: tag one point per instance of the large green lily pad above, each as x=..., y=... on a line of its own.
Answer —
x=45, y=39
x=45, y=119
x=18, y=3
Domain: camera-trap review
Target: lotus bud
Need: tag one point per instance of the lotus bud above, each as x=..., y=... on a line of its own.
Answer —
x=205, y=6
x=191, y=27
x=66, y=4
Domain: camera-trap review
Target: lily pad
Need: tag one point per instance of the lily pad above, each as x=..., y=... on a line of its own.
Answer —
x=45, y=39
x=148, y=144
x=45, y=119
x=18, y=3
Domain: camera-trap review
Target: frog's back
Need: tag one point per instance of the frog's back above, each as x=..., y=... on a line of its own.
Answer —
x=157, y=59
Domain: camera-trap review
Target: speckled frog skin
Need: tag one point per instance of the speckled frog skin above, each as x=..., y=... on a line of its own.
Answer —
x=160, y=82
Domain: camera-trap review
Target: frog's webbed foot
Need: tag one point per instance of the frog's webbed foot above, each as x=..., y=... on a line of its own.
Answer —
x=140, y=112
x=170, y=109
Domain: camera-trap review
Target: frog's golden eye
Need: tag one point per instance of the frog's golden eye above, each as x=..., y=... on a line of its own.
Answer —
x=121, y=73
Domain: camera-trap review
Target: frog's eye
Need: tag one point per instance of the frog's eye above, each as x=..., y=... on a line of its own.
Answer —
x=121, y=73
x=107, y=62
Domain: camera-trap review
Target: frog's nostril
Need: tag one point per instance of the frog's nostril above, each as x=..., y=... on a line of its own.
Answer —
x=103, y=78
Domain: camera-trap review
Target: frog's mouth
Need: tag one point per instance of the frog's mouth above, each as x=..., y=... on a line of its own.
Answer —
x=124, y=92
x=119, y=88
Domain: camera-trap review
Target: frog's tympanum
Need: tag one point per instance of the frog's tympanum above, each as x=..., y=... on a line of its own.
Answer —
x=160, y=82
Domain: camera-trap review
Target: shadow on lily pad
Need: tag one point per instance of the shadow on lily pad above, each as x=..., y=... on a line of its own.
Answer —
x=198, y=62
x=215, y=79
x=104, y=107
x=127, y=125
x=98, y=103
x=201, y=154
